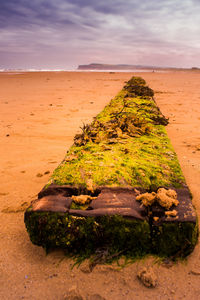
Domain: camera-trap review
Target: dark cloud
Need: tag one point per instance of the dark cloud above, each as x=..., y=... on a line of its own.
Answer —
x=106, y=7
x=23, y=13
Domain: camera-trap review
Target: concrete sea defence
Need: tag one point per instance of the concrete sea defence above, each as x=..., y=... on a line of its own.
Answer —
x=119, y=188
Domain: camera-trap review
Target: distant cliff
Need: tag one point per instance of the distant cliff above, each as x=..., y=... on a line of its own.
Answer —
x=95, y=66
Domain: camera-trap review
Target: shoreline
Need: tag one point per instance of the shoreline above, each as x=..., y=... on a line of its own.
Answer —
x=152, y=70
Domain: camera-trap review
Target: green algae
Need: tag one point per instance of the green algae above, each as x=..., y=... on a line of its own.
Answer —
x=137, y=162
x=125, y=145
x=173, y=239
x=141, y=162
x=81, y=235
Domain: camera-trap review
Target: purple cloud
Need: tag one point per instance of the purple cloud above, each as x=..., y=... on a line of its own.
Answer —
x=65, y=33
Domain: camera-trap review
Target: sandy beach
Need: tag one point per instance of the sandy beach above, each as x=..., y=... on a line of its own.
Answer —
x=40, y=114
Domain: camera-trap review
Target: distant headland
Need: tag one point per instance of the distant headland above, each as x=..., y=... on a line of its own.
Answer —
x=96, y=66
x=125, y=67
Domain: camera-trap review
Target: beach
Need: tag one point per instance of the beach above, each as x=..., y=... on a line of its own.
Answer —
x=40, y=114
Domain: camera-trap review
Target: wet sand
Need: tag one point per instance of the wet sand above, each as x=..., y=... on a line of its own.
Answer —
x=40, y=114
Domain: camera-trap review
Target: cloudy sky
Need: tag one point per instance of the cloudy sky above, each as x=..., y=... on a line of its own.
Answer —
x=62, y=34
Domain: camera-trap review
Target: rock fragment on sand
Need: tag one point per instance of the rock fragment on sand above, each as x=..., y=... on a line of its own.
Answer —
x=46, y=172
x=39, y=175
x=86, y=267
x=195, y=272
x=147, y=277
x=73, y=294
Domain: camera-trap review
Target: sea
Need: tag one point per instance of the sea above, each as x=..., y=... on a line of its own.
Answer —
x=20, y=71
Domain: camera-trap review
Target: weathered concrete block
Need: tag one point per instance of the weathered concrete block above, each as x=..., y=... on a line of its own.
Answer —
x=91, y=201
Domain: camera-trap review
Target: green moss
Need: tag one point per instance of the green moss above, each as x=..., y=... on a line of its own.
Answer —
x=124, y=145
x=174, y=239
x=79, y=206
x=85, y=235
x=141, y=161
x=131, y=236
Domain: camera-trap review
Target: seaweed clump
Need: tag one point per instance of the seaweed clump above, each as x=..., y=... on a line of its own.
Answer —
x=137, y=86
x=126, y=121
x=121, y=125
x=140, y=90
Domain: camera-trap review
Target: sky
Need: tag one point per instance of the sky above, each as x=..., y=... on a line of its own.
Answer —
x=61, y=34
